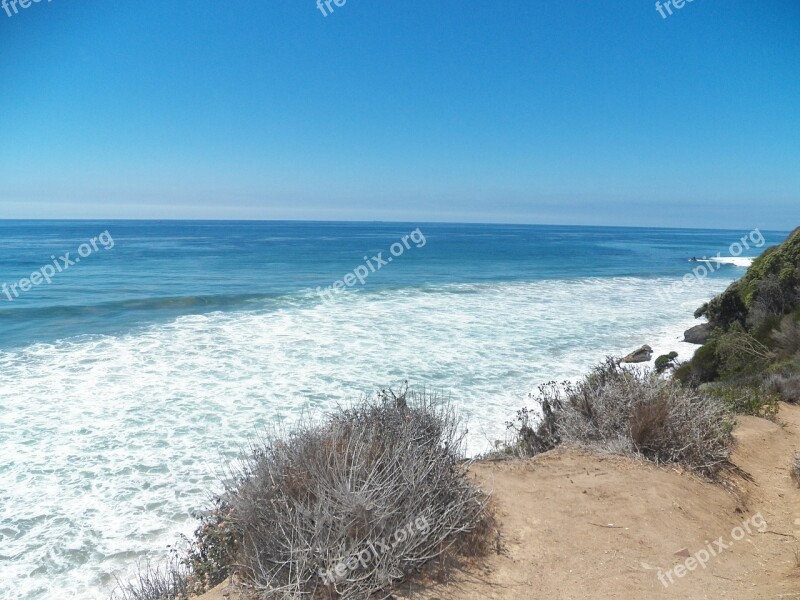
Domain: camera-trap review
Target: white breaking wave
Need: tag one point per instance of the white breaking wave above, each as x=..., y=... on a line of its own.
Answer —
x=108, y=444
x=738, y=261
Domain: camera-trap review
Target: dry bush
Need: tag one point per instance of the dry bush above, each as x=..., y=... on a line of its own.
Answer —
x=533, y=436
x=787, y=387
x=210, y=554
x=770, y=299
x=169, y=581
x=351, y=507
x=796, y=468
x=647, y=424
x=787, y=337
x=633, y=412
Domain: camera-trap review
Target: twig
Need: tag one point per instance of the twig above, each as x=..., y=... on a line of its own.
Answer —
x=779, y=533
x=606, y=526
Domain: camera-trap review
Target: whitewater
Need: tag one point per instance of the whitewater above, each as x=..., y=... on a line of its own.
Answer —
x=130, y=383
x=111, y=443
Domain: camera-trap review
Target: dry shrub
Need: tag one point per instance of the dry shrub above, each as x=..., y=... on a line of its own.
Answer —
x=787, y=336
x=168, y=581
x=795, y=470
x=787, y=387
x=647, y=424
x=351, y=507
x=211, y=552
x=533, y=436
x=632, y=411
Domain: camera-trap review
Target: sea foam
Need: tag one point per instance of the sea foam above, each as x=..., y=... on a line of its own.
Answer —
x=111, y=442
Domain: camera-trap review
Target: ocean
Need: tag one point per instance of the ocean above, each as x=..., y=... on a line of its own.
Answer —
x=135, y=367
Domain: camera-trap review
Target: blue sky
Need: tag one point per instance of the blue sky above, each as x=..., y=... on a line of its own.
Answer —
x=565, y=111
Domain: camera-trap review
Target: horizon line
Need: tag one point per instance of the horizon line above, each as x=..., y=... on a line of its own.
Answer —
x=374, y=221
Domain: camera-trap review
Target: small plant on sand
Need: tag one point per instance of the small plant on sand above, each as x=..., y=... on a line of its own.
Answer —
x=212, y=550
x=167, y=581
x=633, y=412
x=796, y=468
x=534, y=435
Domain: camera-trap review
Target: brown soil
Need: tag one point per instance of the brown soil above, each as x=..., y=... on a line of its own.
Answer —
x=576, y=526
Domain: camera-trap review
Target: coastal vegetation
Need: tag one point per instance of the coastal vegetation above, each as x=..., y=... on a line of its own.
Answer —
x=629, y=411
x=749, y=362
x=752, y=357
x=344, y=509
x=317, y=512
x=665, y=362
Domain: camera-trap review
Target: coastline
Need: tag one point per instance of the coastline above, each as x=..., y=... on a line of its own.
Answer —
x=489, y=474
x=661, y=344
x=626, y=528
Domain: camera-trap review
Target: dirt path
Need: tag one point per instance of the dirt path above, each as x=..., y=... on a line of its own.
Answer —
x=577, y=526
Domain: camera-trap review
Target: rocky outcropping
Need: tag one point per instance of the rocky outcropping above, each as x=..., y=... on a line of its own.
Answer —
x=643, y=354
x=698, y=334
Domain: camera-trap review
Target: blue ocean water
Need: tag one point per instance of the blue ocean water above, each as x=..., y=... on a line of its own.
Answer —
x=156, y=271
x=129, y=380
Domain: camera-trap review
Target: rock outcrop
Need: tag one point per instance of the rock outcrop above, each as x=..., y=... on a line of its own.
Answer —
x=698, y=334
x=643, y=354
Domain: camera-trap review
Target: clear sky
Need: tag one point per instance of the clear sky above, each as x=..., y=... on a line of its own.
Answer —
x=520, y=111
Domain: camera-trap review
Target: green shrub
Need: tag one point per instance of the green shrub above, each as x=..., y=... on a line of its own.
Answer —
x=771, y=300
x=788, y=366
x=768, y=289
x=211, y=552
x=757, y=399
x=754, y=321
x=740, y=354
x=665, y=361
x=781, y=262
x=787, y=337
x=704, y=365
x=726, y=309
x=683, y=373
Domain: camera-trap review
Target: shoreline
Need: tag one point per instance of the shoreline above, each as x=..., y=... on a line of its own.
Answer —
x=661, y=343
x=221, y=591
